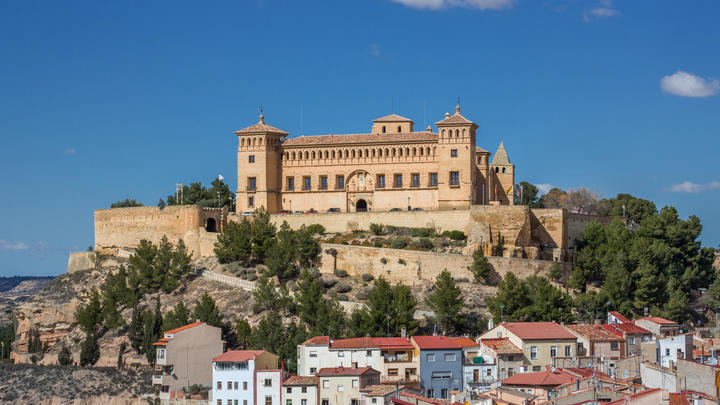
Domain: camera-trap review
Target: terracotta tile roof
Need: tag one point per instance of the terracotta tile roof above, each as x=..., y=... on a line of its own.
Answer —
x=238, y=355
x=678, y=398
x=619, y=316
x=176, y=330
x=593, y=333
x=537, y=330
x=435, y=342
x=422, y=398
x=618, y=329
x=630, y=397
x=501, y=346
x=301, y=380
x=260, y=127
x=456, y=118
x=392, y=118
x=543, y=379
x=397, y=343
x=354, y=343
x=318, y=340
x=161, y=342
x=658, y=320
x=345, y=371
x=377, y=390
x=465, y=342
x=399, y=401
x=354, y=139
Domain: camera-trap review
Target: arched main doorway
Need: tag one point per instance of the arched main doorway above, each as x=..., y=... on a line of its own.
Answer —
x=361, y=205
x=211, y=225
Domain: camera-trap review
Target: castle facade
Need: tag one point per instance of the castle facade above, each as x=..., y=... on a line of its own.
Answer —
x=392, y=167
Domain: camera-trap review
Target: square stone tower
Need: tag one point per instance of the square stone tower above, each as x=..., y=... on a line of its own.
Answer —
x=259, y=167
x=456, y=161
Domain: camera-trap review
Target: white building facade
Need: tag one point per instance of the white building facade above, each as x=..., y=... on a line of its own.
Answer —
x=321, y=352
x=233, y=376
x=268, y=386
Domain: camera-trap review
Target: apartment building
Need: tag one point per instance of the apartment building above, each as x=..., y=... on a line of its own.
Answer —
x=322, y=352
x=183, y=357
x=597, y=343
x=268, y=386
x=632, y=334
x=479, y=371
x=507, y=358
x=540, y=342
x=234, y=376
x=299, y=390
x=658, y=326
x=440, y=360
x=398, y=361
x=342, y=385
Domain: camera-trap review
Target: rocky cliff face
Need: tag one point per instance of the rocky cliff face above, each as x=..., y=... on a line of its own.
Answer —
x=51, y=312
x=28, y=384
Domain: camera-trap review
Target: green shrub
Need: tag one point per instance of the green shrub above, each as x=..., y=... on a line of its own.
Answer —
x=367, y=277
x=341, y=273
x=383, y=260
x=357, y=231
x=454, y=235
x=378, y=243
x=362, y=295
x=444, y=243
x=402, y=261
x=327, y=282
x=422, y=232
x=398, y=243
x=252, y=277
x=315, y=229
x=424, y=243
x=376, y=229
x=342, y=288
x=234, y=267
x=342, y=297
x=344, y=243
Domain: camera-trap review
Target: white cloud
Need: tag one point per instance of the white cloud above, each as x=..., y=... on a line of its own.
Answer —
x=440, y=4
x=5, y=245
x=543, y=188
x=374, y=50
x=70, y=151
x=605, y=10
x=686, y=84
x=688, y=187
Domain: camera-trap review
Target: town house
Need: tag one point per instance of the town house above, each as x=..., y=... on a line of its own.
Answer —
x=342, y=385
x=440, y=360
x=234, y=376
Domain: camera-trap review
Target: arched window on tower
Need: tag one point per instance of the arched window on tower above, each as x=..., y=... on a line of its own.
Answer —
x=457, y=133
x=399, y=128
x=353, y=153
x=399, y=151
x=497, y=170
x=383, y=129
x=313, y=154
x=503, y=170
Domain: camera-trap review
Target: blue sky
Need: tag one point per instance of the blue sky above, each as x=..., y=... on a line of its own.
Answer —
x=107, y=100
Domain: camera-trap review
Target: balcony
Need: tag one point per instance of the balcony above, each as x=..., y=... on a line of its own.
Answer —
x=395, y=359
x=157, y=379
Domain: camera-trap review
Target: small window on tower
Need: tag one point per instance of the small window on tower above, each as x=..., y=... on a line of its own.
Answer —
x=383, y=129
x=251, y=202
x=453, y=152
x=251, y=159
x=399, y=128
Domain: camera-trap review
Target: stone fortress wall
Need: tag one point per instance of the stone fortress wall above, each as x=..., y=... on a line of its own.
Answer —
x=125, y=227
x=533, y=237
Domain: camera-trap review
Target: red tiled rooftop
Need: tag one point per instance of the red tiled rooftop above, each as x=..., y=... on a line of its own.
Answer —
x=435, y=342
x=544, y=379
x=422, y=398
x=618, y=329
x=345, y=371
x=658, y=320
x=593, y=333
x=350, y=139
x=501, y=345
x=238, y=355
x=619, y=317
x=161, y=342
x=393, y=343
x=260, y=127
x=639, y=394
x=176, y=330
x=465, y=342
x=301, y=380
x=318, y=340
x=537, y=330
x=354, y=343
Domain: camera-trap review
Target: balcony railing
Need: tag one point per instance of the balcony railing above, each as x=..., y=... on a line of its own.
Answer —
x=397, y=360
x=157, y=379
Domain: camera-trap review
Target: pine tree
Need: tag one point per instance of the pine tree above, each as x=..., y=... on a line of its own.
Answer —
x=309, y=298
x=243, y=330
x=234, y=243
x=120, y=362
x=480, y=266
x=511, y=297
x=649, y=288
x=152, y=331
x=177, y=317
x=555, y=272
x=676, y=308
x=446, y=301
x=206, y=311
x=65, y=356
x=307, y=248
x=500, y=246
x=90, y=351
x=262, y=234
x=136, y=330
x=90, y=316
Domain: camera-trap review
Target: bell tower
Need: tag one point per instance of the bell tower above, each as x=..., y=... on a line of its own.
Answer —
x=456, y=161
x=259, y=167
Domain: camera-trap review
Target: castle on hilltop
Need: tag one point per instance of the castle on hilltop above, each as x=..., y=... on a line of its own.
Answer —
x=392, y=167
